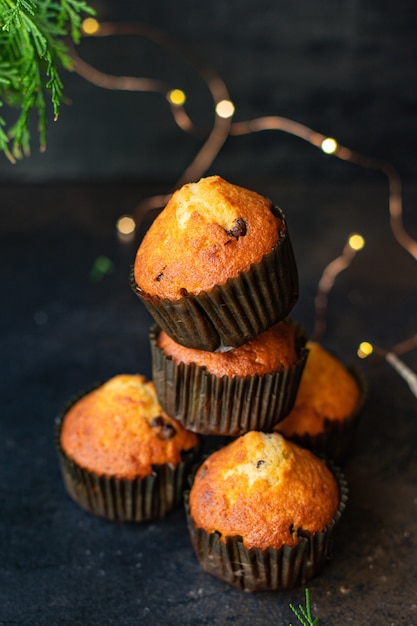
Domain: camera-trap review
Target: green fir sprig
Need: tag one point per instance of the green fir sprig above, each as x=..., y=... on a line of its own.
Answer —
x=32, y=52
x=303, y=614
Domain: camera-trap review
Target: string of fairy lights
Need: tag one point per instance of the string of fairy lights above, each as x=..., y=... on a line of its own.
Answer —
x=222, y=128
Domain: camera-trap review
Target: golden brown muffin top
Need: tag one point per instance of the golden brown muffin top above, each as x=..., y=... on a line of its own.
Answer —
x=327, y=391
x=265, y=489
x=208, y=232
x=270, y=351
x=120, y=430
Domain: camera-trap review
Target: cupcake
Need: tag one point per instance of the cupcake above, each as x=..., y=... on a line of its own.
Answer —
x=328, y=403
x=216, y=267
x=261, y=512
x=229, y=393
x=121, y=456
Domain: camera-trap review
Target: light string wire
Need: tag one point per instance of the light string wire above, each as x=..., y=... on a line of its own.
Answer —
x=223, y=128
x=326, y=282
x=291, y=127
x=404, y=371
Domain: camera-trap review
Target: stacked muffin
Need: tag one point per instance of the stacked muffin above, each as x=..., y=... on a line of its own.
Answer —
x=261, y=512
x=327, y=406
x=217, y=272
x=216, y=267
x=122, y=457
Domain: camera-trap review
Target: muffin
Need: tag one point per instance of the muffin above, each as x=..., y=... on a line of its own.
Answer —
x=328, y=403
x=229, y=393
x=261, y=512
x=121, y=456
x=216, y=267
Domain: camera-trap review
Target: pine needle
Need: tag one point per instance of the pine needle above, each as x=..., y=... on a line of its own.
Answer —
x=32, y=54
x=303, y=614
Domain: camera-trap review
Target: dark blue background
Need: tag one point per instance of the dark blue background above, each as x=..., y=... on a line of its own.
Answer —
x=346, y=68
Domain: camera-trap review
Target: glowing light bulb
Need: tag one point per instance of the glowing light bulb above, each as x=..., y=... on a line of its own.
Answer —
x=177, y=97
x=365, y=349
x=356, y=241
x=126, y=225
x=329, y=145
x=225, y=108
x=90, y=26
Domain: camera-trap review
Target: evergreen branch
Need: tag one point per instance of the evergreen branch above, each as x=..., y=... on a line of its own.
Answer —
x=303, y=614
x=32, y=52
x=12, y=15
x=4, y=140
x=70, y=12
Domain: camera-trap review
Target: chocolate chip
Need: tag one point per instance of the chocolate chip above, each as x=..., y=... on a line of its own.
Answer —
x=291, y=529
x=239, y=229
x=260, y=463
x=158, y=278
x=165, y=429
x=183, y=292
x=168, y=431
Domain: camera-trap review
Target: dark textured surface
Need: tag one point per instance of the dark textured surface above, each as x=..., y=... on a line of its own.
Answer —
x=61, y=332
x=346, y=68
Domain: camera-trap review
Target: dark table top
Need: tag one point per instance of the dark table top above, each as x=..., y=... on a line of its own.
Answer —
x=62, y=331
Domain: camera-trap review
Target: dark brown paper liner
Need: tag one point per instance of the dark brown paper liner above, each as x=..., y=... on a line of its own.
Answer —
x=213, y=405
x=230, y=314
x=337, y=438
x=122, y=499
x=265, y=570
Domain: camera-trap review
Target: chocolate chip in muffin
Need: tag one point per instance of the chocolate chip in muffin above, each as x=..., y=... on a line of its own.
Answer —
x=165, y=429
x=239, y=229
x=260, y=463
x=157, y=422
x=168, y=431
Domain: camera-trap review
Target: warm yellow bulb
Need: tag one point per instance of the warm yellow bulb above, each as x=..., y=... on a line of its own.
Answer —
x=329, y=145
x=225, y=108
x=126, y=225
x=356, y=241
x=365, y=349
x=90, y=26
x=177, y=97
